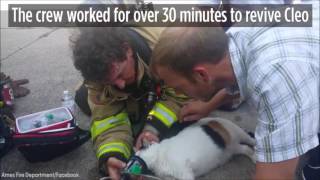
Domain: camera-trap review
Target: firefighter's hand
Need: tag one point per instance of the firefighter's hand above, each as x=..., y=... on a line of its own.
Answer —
x=194, y=110
x=144, y=138
x=113, y=167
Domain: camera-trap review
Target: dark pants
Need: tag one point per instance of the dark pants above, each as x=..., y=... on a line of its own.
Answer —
x=312, y=170
x=81, y=98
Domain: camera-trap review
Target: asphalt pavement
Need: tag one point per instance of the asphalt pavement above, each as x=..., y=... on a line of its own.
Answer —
x=43, y=55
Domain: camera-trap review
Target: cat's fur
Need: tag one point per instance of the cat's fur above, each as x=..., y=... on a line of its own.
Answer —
x=197, y=149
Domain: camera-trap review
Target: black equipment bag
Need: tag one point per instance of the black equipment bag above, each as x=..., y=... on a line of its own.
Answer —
x=39, y=147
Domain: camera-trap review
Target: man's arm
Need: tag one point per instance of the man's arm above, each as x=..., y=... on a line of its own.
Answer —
x=110, y=130
x=280, y=170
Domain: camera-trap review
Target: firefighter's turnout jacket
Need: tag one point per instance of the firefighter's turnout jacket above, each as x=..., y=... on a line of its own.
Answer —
x=114, y=111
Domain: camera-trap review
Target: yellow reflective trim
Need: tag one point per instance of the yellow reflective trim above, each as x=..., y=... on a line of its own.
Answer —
x=101, y=126
x=163, y=107
x=165, y=115
x=114, y=147
x=160, y=117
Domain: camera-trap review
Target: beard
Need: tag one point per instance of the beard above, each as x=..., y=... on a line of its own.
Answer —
x=129, y=88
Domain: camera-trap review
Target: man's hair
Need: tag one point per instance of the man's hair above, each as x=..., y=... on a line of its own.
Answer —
x=96, y=48
x=182, y=48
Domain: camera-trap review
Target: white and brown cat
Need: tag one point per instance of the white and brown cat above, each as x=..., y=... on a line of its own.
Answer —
x=197, y=149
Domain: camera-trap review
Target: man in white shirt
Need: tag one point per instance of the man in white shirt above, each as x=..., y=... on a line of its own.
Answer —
x=275, y=69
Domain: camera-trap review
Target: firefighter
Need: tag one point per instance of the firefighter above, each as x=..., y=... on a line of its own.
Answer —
x=125, y=102
x=121, y=92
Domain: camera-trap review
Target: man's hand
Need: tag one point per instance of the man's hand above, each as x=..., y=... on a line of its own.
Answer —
x=113, y=167
x=194, y=110
x=146, y=137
